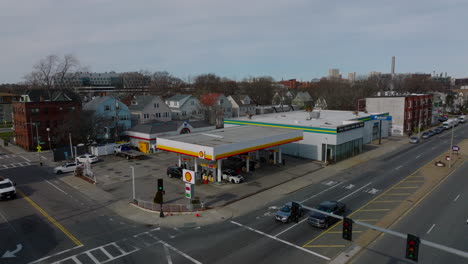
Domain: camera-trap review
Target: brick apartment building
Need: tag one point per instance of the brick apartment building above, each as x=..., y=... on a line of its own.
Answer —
x=34, y=114
x=408, y=111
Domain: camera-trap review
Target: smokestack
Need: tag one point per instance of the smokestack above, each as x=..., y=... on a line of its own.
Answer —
x=393, y=65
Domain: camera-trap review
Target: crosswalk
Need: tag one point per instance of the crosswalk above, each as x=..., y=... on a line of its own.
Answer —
x=7, y=156
x=118, y=249
x=14, y=165
x=9, y=161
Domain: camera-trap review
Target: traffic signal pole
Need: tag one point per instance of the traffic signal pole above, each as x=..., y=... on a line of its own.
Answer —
x=397, y=234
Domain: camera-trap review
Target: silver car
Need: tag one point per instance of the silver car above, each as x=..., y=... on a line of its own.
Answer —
x=284, y=214
x=414, y=140
x=67, y=167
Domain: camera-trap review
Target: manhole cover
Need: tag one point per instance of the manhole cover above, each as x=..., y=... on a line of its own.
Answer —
x=110, y=169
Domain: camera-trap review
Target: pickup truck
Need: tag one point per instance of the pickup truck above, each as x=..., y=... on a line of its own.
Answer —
x=126, y=151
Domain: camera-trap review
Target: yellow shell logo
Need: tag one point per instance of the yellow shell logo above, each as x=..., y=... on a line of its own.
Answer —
x=200, y=154
x=188, y=176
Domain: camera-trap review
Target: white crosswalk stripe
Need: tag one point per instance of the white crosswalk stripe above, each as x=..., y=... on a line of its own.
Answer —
x=14, y=165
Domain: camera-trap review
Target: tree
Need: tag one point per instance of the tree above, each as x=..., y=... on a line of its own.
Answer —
x=207, y=83
x=259, y=89
x=164, y=84
x=53, y=72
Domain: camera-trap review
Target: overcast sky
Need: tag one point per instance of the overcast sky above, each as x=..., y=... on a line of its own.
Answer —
x=299, y=39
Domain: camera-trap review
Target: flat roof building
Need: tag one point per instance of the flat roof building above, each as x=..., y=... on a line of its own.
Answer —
x=340, y=133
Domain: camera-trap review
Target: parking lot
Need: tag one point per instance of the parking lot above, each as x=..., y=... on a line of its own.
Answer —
x=114, y=175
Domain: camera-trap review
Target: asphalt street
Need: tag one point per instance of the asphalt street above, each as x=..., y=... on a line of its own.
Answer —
x=254, y=237
x=440, y=218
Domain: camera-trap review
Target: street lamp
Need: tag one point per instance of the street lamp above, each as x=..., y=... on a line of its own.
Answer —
x=326, y=148
x=48, y=137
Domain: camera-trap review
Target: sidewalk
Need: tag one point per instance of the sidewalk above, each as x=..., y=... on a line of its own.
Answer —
x=244, y=198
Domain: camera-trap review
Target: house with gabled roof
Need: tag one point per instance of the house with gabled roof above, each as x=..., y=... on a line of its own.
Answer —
x=242, y=105
x=217, y=101
x=184, y=107
x=303, y=100
x=148, y=108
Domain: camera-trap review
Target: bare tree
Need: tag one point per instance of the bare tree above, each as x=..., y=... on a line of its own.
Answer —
x=51, y=72
x=164, y=84
x=207, y=83
x=260, y=89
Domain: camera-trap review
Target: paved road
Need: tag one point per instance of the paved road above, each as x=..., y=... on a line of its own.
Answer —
x=440, y=218
x=254, y=237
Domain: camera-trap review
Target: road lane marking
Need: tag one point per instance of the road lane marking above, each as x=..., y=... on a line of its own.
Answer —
x=375, y=210
x=52, y=220
x=54, y=255
x=417, y=157
x=430, y=229
x=168, y=254
x=395, y=201
x=290, y=227
x=43, y=157
x=283, y=241
x=399, y=167
x=321, y=192
x=25, y=158
x=398, y=194
x=456, y=198
x=55, y=186
x=8, y=222
x=327, y=246
x=92, y=257
x=406, y=187
x=354, y=192
x=414, y=181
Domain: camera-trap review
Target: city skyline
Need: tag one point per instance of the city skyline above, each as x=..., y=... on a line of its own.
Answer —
x=294, y=39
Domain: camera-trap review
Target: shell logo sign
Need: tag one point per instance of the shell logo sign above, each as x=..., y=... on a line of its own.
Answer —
x=201, y=154
x=188, y=176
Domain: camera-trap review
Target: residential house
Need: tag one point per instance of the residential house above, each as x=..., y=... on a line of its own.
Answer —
x=38, y=117
x=241, y=105
x=184, y=107
x=110, y=114
x=283, y=97
x=217, y=101
x=147, y=109
x=303, y=100
x=6, y=99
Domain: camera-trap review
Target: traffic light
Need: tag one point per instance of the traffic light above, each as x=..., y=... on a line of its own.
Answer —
x=160, y=185
x=412, y=247
x=348, y=229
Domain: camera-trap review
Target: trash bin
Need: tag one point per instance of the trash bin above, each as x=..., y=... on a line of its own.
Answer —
x=284, y=162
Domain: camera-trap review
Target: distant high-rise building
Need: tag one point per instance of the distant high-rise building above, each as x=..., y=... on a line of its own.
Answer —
x=352, y=76
x=393, y=66
x=334, y=73
x=374, y=73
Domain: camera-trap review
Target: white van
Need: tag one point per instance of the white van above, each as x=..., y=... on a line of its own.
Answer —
x=447, y=124
x=462, y=118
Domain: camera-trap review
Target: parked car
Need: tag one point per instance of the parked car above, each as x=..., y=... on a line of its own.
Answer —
x=67, y=167
x=462, y=118
x=439, y=130
x=174, y=172
x=284, y=214
x=7, y=189
x=426, y=135
x=87, y=157
x=232, y=176
x=414, y=140
x=321, y=220
x=442, y=119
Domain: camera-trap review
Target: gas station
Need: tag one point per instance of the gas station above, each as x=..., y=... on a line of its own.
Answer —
x=206, y=150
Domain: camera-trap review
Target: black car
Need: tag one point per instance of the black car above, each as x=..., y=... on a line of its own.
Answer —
x=442, y=119
x=439, y=130
x=174, y=172
x=321, y=220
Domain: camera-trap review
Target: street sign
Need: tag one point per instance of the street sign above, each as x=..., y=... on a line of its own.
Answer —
x=455, y=148
x=188, y=176
x=39, y=149
x=375, y=117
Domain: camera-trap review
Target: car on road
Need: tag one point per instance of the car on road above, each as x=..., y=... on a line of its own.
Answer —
x=67, y=167
x=232, y=177
x=7, y=189
x=87, y=157
x=442, y=119
x=414, y=140
x=321, y=220
x=174, y=172
x=284, y=214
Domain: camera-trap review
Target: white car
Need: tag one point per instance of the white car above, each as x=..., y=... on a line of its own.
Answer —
x=67, y=167
x=87, y=157
x=232, y=176
x=7, y=189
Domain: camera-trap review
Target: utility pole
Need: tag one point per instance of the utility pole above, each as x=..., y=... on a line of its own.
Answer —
x=71, y=145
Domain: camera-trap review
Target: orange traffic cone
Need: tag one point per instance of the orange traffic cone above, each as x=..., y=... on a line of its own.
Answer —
x=197, y=215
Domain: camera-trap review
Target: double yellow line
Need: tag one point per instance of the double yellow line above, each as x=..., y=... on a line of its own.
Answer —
x=52, y=220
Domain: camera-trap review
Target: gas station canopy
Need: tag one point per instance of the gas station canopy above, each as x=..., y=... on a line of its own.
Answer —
x=222, y=143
